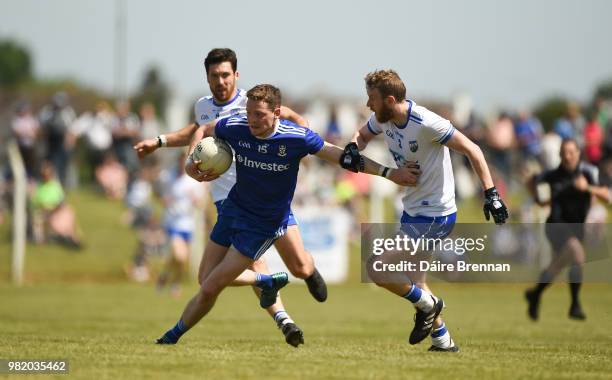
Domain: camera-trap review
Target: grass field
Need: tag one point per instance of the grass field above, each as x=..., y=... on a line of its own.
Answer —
x=107, y=332
x=79, y=307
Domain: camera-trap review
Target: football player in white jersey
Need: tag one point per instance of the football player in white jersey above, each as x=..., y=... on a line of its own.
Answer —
x=227, y=100
x=180, y=195
x=418, y=138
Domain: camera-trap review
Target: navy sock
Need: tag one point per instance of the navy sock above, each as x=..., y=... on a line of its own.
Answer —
x=440, y=337
x=175, y=333
x=263, y=280
x=414, y=294
x=439, y=331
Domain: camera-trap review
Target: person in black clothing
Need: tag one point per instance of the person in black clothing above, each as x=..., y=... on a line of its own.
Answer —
x=572, y=185
x=56, y=120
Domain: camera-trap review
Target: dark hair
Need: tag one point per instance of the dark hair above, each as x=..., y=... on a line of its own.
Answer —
x=220, y=55
x=387, y=82
x=267, y=94
x=570, y=141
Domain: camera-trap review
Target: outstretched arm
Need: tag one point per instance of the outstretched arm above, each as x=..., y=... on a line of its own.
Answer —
x=407, y=176
x=182, y=137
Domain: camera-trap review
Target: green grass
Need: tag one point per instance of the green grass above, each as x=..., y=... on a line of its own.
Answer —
x=78, y=306
x=109, y=245
x=107, y=331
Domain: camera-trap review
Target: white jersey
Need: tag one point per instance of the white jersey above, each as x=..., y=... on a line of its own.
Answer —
x=180, y=194
x=207, y=110
x=422, y=140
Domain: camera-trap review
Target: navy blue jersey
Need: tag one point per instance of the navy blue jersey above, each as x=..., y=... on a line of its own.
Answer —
x=266, y=169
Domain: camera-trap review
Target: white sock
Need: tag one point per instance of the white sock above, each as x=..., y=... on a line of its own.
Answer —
x=440, y=337
x=281, y=318
x=420, y=298
x=426, y=303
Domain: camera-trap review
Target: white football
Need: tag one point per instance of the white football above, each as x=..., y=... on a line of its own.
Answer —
x=214, y=153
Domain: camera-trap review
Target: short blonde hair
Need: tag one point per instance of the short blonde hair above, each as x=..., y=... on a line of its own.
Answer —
x=387, y=82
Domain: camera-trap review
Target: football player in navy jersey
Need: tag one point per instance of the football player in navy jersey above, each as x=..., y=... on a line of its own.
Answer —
x=256, y=212
x=226, y=100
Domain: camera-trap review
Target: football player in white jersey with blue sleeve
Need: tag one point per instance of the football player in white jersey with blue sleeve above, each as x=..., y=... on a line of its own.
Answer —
x=227, y=100
x=418, y=138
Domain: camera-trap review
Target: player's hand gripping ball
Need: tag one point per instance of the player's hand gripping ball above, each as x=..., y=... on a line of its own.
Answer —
x=214, y=154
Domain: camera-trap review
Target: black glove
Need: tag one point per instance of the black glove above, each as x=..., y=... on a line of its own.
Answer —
x=494, y=205
x=351, y=159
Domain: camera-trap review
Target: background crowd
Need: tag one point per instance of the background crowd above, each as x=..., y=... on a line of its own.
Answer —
x=64, y=148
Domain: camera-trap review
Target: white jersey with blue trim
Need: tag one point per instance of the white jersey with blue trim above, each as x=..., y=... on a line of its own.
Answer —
x=207, y=110
x=422, y=139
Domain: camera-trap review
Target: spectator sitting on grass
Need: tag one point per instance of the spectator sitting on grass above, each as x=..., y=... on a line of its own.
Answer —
x=52, y=213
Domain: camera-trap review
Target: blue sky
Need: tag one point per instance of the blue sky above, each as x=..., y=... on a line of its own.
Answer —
x=509, y=53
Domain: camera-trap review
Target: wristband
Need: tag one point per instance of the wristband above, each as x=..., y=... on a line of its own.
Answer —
x=384, y=171
x=162, y=141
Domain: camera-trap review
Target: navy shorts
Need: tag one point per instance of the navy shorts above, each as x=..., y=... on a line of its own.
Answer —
x=185, y=235
x=428, y=227
x=246, y=235
x=291, y=222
